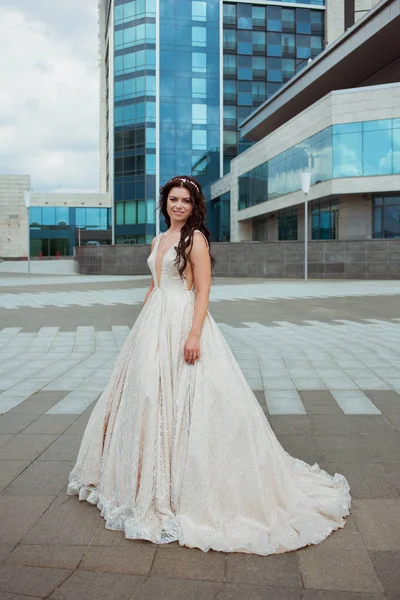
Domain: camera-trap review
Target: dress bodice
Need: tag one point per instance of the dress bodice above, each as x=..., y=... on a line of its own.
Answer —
x=169, y=277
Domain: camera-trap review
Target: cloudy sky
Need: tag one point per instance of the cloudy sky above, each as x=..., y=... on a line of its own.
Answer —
x=49, y=92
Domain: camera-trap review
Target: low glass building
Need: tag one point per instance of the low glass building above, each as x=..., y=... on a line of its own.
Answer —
x=55, y=230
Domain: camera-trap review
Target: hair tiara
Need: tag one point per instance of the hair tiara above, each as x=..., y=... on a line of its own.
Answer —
x=184, y=180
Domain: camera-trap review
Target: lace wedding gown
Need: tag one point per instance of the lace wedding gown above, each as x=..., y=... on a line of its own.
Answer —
x=183, y=452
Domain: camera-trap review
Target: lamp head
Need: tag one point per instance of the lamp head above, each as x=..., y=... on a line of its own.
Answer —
x=306, y=181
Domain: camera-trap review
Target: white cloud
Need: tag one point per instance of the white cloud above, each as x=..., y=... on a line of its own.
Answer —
x=49, y=92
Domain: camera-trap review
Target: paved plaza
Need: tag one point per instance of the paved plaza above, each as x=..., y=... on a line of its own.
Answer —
x=324, y=362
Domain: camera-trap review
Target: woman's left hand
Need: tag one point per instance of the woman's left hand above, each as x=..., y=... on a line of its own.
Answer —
x=192, y=349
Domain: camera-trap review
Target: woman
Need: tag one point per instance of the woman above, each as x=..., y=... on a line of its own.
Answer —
x=177, y=446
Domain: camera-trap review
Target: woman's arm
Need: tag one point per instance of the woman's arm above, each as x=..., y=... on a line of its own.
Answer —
x=200, y=261
x=151, y=287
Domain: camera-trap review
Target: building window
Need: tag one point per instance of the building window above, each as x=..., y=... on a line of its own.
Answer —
x=199, y=10
x=229, y=39
x=230, y=90
x=244, y=16
x=230, y=65
x=274, y=18
x=287, y=225
x=130, y=213
x=199, y=88
x=324, y=217
x=386, y=216
x=199, y=36
x=49, y=217
x=128, y=240
x=199, y=62
x=229, y=14
x=258, y=16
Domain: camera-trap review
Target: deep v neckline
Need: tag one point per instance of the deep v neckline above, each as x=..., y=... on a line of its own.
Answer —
x=162, y=259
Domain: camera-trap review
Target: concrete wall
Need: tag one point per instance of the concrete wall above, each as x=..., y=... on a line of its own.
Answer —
x=334, y=22
x=361, y=7
x=13, y=215
x=368, y=259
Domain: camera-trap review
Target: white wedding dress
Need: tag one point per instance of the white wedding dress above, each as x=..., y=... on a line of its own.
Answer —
x=183, y=452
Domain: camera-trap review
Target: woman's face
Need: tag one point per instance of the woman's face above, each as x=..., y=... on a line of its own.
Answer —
x=179, y=205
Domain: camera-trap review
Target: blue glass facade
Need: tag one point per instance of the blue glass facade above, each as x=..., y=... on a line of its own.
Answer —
x=59, y=228
x=264, y=46
x=347, y=150
x=260, y=49
x=134, y=119
x=190, y=89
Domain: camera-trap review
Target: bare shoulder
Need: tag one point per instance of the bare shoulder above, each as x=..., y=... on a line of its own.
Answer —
x=199, y=239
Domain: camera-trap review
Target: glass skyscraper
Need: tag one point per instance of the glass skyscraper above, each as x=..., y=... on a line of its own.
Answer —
x=178, y=76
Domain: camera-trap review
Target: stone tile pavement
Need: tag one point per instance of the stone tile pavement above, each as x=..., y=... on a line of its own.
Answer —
x=326, y=373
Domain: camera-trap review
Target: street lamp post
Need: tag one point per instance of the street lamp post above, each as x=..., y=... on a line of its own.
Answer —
x=27, y=199
x=305, y=186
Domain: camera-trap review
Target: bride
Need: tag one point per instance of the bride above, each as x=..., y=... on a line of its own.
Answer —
x=177, y=446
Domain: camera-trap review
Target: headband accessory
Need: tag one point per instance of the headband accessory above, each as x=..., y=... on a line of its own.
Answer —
x=184, y=180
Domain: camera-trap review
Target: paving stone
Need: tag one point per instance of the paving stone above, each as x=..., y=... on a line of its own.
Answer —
x=340, y=570
x=5, y=550
x=133, y=560
x=79, y=425
x=395, y=420
x=387, y=401
x=387, y=565
x=65, y=447
x=331, y=424
x=19, y=513
x=234, y=591
x=15, y=423
x=303, y=446
x=274, y=570
x=24, y=446
x=79, y=522
x=50, y=424
x=10, y=469
x=158, y=588
x=98, y=586
x=46, y=555
x=378, y=522
x=320, y=402
x=367, y=480
x=38, y=403
x=383, y=448
x=30, y=580
x=290, y=424
x=109, y=537
x=40, y=476
x=392, y=472
x=371, y=424
x=327, y=595
x=189, y=563
x=4, y=438
x=7, y=596
x=344, y=447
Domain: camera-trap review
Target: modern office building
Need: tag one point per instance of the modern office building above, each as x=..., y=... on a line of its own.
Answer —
x=338, y=118
x=178, y=77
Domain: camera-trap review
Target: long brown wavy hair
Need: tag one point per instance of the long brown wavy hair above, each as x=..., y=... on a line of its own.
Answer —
x=195, y=221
